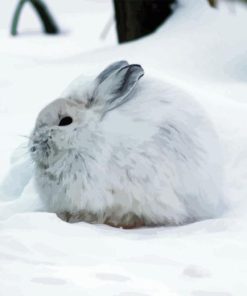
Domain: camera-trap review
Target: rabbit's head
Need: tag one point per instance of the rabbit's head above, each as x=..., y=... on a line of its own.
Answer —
x=68, y=123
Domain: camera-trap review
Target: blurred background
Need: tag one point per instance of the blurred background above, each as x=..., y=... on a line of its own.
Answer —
x=89, y=24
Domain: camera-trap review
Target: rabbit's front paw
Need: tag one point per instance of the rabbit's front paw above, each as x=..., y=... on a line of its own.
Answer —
x=128, y=221
x=81, y=216
x=65, y=216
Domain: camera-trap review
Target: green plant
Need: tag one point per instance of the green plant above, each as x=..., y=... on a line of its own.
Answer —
x=50, y=27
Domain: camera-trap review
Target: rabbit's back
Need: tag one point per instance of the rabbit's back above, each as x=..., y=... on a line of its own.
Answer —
x=167, y=154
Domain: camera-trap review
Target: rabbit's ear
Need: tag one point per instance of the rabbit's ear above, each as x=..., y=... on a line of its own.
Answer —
x=114, y=90
x=110, y=69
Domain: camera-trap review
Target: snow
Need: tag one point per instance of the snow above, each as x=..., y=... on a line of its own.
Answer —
x=200, y=49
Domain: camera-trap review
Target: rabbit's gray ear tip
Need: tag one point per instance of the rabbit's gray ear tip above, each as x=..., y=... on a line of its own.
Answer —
x=122, y=62
x=139, y=68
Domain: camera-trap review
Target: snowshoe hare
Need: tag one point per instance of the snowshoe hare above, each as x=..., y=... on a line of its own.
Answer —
x=126, y=152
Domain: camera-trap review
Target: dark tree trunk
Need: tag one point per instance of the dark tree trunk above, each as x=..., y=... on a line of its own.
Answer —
x=213, y=3
x=137, y=18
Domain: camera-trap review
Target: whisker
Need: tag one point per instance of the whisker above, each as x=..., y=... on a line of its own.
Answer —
x=24, y=146
x=23, y=154
x=25, y=136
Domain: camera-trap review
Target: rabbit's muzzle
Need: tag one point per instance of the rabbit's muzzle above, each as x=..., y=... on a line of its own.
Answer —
x=42, y=148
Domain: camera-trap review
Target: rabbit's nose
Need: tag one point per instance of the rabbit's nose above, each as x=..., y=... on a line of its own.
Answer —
x=44, y=145
x=33, y=149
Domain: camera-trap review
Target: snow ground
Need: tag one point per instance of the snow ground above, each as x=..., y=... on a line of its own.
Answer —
x=200, y=49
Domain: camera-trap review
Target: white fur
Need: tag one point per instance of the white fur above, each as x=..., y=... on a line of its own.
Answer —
x=155, y=158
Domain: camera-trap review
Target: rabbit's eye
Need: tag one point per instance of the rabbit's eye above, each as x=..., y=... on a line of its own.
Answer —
x=65, y=121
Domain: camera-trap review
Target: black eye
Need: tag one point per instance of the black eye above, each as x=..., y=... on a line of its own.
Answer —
x=65, y=121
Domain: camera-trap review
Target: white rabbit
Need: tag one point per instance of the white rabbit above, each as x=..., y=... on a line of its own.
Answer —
x=127, y=153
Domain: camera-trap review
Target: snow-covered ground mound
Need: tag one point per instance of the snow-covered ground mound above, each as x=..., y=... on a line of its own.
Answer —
x=199, y=49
